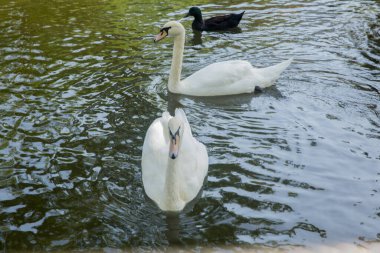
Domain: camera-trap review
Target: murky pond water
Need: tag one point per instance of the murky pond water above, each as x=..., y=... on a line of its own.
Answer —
x=81, y=81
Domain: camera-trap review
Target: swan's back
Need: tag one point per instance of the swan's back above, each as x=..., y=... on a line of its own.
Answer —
x=220, y=78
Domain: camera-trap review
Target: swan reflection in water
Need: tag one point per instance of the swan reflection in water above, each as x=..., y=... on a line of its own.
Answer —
x=183, y=101
x=175, y=221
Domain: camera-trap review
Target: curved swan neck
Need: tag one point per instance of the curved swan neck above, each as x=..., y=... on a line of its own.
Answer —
x=172, y=185
x=176, y=67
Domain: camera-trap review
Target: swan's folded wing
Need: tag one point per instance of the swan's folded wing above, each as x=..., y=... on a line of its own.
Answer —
x=154, y=157
x=221, y=78
x=194, y=167
x=155, y=142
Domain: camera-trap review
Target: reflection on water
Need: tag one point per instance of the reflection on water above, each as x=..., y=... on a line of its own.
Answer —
x=197, y=38
x=295, y=164
x=197, y=35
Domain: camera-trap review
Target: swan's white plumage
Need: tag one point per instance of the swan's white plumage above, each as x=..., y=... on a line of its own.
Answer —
x=221, y=78
x=190, y=166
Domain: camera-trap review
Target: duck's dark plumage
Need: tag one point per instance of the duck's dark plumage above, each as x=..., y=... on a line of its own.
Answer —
x=214, y=23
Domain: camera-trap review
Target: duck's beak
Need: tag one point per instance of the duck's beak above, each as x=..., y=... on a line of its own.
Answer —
x=186, y=15
x=160, y=36
x=173, y=148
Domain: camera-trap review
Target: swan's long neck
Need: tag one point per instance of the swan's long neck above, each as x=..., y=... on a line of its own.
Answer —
x=172, y=185
x=176, y=68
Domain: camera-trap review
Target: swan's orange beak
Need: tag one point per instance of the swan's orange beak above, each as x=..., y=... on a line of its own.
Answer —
x=160, y=36
x=174, y=146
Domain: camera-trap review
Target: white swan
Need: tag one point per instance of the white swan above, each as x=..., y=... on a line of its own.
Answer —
x=221, y=78
x=174, y=164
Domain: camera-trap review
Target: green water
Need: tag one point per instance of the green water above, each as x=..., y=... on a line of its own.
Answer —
x=81, y=81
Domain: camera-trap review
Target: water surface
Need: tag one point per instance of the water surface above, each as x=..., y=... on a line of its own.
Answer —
x=298, y=164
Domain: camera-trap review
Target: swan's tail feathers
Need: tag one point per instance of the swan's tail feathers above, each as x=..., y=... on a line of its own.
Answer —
x=272, y=73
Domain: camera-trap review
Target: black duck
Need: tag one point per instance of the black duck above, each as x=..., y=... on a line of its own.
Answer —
x=215, y=23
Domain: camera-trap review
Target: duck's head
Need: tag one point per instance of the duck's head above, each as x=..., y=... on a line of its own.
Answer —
x=171, y=29
x=175, y=126
x=194, y=11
